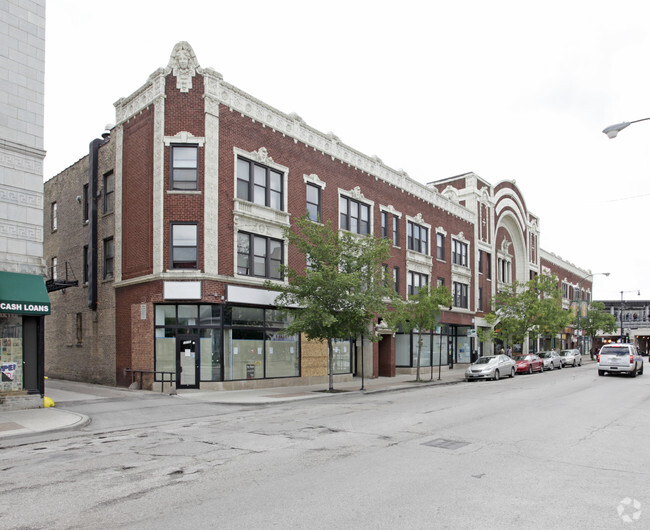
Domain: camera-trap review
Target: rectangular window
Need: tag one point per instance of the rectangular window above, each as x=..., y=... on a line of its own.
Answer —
x=395, y=231
x=480, y=261
x=417, y=237
x=79, y=326
x=416, y=281
x=396, y=278
x=55, y=263
x=54, y=216
x=86, y=205
x=459, y=253
x=480, y=298
x=185, y=251
x=354, y=216
x=184, y=167
x=259, y=256
x=488, y=263
x=109, y=192
x=460, y=295
x=314, y=202
x=259, y=184
x=441, y=282
x=384, y=225
x=109, y=255
x=440, y=246
x=85, y=264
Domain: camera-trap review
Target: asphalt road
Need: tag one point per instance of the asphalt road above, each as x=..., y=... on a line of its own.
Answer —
x=565, y=449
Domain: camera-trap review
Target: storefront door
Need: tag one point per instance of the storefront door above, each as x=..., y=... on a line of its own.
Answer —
x=187, y=361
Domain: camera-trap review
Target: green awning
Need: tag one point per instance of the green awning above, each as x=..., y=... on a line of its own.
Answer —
x=23, y=294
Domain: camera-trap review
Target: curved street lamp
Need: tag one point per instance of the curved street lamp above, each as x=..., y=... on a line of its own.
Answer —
x=613, y=130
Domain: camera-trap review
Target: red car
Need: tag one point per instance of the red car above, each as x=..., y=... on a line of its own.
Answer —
x=527, y=364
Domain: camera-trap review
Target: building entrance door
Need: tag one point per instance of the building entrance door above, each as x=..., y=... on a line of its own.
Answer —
x=187, y=361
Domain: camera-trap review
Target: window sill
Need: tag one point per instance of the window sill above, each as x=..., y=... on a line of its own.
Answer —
x=184, y=192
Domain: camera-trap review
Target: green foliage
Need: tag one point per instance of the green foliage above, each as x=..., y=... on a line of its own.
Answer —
x=531, y=308
x=420, y=312
x=597, y=319
x=343, y=287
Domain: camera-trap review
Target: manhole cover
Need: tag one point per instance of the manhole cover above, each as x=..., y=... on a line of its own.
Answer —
x=446, y=444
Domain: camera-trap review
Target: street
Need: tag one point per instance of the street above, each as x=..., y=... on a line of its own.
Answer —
x=563, y=449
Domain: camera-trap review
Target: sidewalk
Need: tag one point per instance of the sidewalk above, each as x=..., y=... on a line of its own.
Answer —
x=16, y=423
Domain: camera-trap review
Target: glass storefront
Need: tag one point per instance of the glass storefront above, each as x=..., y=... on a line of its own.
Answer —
x=342, y=359
x=11, y=352
x=448, y=342
x=235, y=342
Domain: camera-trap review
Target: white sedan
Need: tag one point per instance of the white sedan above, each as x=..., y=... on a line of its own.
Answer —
x=491, y=367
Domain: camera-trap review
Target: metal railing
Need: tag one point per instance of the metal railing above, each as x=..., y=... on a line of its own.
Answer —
x=163, y=373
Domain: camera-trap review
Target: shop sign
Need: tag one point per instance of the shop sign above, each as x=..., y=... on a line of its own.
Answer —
x=24, y=308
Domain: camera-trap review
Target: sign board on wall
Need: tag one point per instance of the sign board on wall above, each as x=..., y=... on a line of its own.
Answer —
x=182, y=290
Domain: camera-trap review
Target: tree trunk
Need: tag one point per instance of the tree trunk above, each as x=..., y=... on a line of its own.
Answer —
x=330, y=362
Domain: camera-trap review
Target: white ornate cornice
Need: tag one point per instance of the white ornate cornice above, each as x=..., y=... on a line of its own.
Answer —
x=441, y=230
x=184, y=137
x=559, y=262
x=313, y=179
x=460, y=237
x=390, y=209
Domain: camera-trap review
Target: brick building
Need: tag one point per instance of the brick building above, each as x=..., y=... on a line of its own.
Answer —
x=202, y=179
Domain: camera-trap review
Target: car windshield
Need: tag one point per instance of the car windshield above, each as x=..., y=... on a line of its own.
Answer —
x=485, y=360
x=544, y=354
x=566, y=352
x=520, y=358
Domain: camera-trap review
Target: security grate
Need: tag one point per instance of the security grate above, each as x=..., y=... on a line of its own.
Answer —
x=446, y=444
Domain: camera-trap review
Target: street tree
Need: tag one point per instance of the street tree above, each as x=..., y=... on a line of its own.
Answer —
x=527, y=309
x=341, y=290
x=420, y=312
x=597, y=319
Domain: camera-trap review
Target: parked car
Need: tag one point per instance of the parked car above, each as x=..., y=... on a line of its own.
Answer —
x=620, y=358
x=529, y=363
x=571, y=357
x=551, y=360
x=491, y=367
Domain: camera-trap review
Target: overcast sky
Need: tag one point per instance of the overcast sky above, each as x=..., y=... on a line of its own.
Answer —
x=511, y=90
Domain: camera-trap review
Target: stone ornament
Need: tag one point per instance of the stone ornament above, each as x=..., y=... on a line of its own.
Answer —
x=183, y=64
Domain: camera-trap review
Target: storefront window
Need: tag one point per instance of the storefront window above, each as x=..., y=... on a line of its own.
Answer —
x=342, y=356
x=244, y=354
x=210, y=351
x=165, y=350
x=188, y=315
x=403, y=349
x=165, y=315
x=11, y=353
x=282, y=355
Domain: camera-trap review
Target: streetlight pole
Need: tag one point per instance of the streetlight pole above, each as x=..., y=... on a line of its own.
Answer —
x=580, y=341
x=621, y=311
x=613, y=130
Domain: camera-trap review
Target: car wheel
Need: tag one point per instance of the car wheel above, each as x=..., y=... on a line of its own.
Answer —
x=530, y=368
x=580, y=362
x=497, y=375
x=575, y=363
x=561, y=366
x=641, y=371
x=633, y=372
x=552, y=367
x=601, y=372
x=512, y=372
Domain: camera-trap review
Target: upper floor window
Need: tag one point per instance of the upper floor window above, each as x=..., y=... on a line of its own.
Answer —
x=565, y=290
x=395, y=231
x=184, y=167
x=459, y=253
x=417, y=237
x=384, y=225
x=259, y=184
x=354, y=216
x=480, y=261
x=55, y=265
x=54, y=216
x=109, y=192
x=460, y=295
x=416, y=281
x=504, y=270
x=440, y=246
x=84, y=259
x=259, y=256
x=109, y=255
x=396, y=278
x=86, y=204
x=314, y=202
x=488, y=265
x=185, y=250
